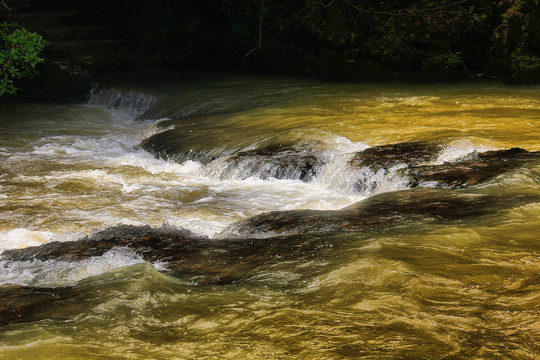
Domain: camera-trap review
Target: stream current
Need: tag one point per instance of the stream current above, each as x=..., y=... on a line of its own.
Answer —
x=275, y=160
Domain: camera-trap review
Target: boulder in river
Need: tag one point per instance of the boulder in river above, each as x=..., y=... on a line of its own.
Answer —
x=184, y=255
x=194, y=257
x=196, y=260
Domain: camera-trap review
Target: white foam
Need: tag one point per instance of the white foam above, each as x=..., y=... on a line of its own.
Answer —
x=19, y=238
x=459, y=149
x=144, y=160
x=198, y=225
x=155, y=129
x=60, y=273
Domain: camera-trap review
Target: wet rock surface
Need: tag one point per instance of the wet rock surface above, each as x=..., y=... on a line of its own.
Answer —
x=183, y=252
x=20, y=304
x=146, y=240
x=415, y=157
x=196, y=260
x=377, y=213
x=168, y=145
x=192, y=258
x=387, y=156
x=476, y=168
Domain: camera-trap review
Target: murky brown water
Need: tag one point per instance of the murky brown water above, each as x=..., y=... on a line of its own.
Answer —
x=424, y=289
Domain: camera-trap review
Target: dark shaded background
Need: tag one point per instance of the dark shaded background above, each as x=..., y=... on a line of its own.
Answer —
x=333, y=39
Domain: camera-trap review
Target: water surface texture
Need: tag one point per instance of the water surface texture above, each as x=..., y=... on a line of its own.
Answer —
x=288, y=219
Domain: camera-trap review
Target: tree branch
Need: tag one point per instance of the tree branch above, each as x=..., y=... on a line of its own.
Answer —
x=326, y=5
x=405, y=12
x=260, y=31
x=4, y=4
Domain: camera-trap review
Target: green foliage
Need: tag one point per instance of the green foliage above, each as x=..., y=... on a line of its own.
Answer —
x=19, y=54
x=445, y=66
x=525, y=66
x=390, y=45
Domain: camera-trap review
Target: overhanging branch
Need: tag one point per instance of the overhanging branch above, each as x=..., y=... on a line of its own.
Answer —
x=407, y=12
x=4, y=4
x=260, y=31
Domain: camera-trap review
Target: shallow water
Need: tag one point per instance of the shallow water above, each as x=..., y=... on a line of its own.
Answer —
x=466, y=288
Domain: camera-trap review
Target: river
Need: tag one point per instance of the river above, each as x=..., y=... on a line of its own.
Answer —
x=324, y=221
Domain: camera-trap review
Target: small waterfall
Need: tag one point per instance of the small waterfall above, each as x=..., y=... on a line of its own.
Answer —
x=278, y=162
x=339, y=175
x=133, y=101
x=329, y=169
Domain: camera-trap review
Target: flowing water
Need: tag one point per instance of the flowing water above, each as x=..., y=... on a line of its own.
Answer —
x=203, y=155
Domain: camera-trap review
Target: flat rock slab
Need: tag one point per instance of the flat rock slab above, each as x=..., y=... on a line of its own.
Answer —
x=191, y=258
x=185, y=253
x=476, y=168
x=19, y=304
x=387, y=156
x=379, y=212
x=196, y=260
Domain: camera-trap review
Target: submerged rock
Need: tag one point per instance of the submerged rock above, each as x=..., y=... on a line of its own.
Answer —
x=148, y=242
x=196, y=260
x=20, y=304
x=374, y=164
x=190, y=256
x=474, y=169
x=168, y=145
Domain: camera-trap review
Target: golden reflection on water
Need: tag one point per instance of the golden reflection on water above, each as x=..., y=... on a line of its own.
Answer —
x=499, y=118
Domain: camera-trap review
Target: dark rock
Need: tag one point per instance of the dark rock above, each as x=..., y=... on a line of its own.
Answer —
x=189, y=257
x=377, y=213
x=146, y=240
x=192, y=257
x=387, y=156
x=197, y=260
x=473, y=170
x=20, y=304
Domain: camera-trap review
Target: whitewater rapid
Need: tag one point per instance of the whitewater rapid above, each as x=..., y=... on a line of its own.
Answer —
x=80, y=168
x=73, y=170
x=91, y=174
